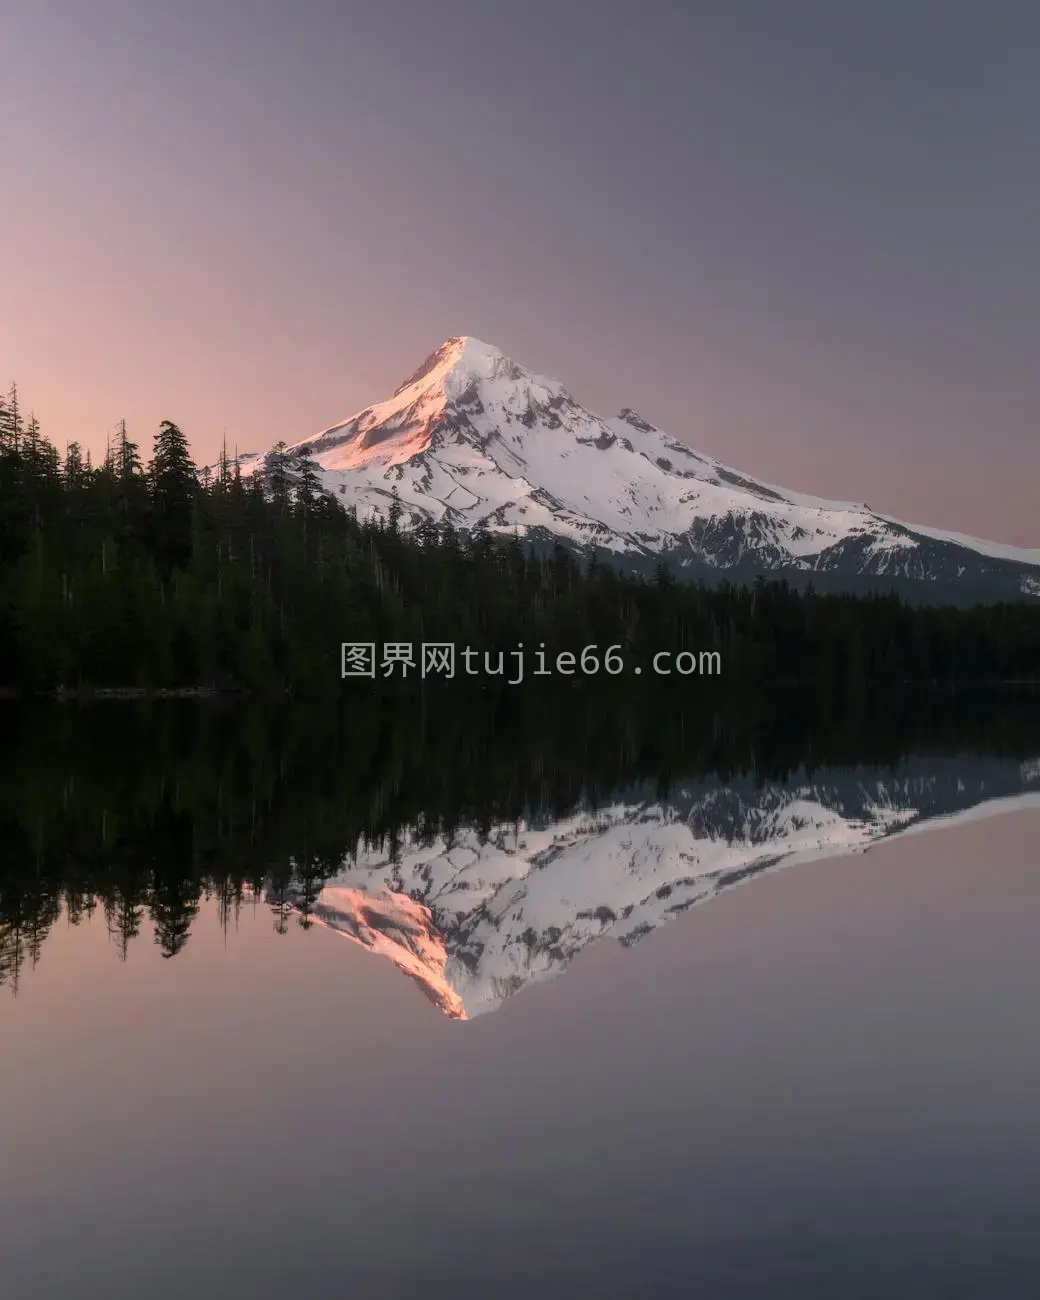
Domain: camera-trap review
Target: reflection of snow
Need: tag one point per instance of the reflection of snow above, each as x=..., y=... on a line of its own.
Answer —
x=394, y=926
x=473, y=920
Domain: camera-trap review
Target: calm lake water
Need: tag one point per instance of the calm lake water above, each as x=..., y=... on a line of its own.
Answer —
x=432, y=1069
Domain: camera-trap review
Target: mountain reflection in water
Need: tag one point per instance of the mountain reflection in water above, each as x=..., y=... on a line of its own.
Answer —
x=477, y=848
x=476, y=915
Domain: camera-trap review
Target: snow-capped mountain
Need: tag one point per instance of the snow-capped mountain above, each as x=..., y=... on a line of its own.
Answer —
x=473, y=918
x=474, y=439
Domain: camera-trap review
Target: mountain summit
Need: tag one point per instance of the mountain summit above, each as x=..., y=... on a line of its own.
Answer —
x=474, y=439
x=464, y=378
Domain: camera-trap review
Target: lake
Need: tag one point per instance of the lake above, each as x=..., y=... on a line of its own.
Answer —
x=297, y=1006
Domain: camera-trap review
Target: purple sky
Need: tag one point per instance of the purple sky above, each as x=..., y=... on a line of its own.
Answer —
x=804, y=238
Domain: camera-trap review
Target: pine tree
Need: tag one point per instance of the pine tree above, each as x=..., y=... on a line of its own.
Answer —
x=11, y=421
x=127, y=455
x=75, y=467
x=275, y=477
x=174, y=486
x=393, y=518
x=308, y=482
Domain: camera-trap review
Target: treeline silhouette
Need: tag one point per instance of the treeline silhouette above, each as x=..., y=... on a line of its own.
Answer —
x=142, y=812
x=159, y=575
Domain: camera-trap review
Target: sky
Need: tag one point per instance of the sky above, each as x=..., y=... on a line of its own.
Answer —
x=804, y=238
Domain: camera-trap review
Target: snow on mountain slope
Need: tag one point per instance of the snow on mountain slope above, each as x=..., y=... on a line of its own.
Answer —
x=997, y=550
x=473, y=919
x=474, y=439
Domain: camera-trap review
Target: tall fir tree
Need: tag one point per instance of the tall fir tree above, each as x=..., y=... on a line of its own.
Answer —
x=174, y=485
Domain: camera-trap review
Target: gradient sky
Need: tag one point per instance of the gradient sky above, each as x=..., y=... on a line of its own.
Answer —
x=805, y=238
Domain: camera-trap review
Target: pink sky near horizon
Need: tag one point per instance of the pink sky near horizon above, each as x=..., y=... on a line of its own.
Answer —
x=275, y=241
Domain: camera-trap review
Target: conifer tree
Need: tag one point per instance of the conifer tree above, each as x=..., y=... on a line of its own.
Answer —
x=174, y=484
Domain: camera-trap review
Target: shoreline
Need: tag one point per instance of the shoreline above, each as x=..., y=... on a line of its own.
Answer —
x=197, y=692
x=131, y=693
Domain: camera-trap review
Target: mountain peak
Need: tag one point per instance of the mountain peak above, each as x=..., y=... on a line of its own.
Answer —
x=461, y=352
x=474, y=438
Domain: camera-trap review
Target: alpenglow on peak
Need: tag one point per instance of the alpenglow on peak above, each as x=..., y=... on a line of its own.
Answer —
x=460, y=352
